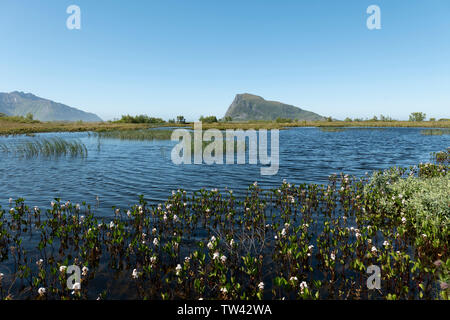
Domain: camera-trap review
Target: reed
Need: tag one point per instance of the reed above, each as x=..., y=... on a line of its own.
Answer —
x=46, y=147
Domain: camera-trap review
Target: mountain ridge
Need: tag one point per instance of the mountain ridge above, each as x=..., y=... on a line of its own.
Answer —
x=247, y=106
x=19, y=103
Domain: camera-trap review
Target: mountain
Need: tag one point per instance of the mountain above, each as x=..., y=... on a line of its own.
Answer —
x=20, y=104
x=250, y=107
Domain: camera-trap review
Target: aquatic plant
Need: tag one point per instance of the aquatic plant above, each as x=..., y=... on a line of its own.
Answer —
x=139, y=135
x=434, y=132
x=302, y=241
x=46, y=147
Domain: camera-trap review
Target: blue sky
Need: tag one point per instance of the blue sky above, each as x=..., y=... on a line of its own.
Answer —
x=167, y=58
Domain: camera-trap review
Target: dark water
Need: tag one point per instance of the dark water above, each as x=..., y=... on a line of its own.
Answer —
x=118, y=171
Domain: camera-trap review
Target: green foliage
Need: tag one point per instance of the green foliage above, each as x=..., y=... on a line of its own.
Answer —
x=209, y=119
x=181, y=119
x=283, y=120
x=417, y=116
x=140, y=119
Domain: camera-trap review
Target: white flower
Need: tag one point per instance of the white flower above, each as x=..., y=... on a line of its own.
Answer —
x=154, y=231
x=216, y=255
x=374, y=249
x=231, y=242
x=42, y=291
x=10, y=200
x=223, y=290
x=62, y=269
x=283, y=232
x=213, y=239
x=223, y=259
x=178, y=269
x=386, y=243
x=153, y=259
x=155, y=242
x=135, y=274
x=1, y=276
x=210, y=245
x=358, y=235
x=112, y=225
x=85, y=271
x=40, y=262
x=303, y=286
x=77, y=286
x=332, y=256
x=310, y=247
x=404, y=220
x=12, y=210
x=261, y=286
x=52, y=204
x=175, y=218
x=293, y=279
x=255, y=183
x=129, y=213
x=77, y=207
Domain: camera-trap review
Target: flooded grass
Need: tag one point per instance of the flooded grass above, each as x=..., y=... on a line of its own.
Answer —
x=46, y=147
x=137, y=135
x=304, y=241
x=434, y=132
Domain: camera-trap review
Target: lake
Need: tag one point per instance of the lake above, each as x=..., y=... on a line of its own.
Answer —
x=118, y=171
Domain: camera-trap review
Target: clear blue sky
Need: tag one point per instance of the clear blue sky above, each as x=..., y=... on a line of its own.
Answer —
x=166, y=58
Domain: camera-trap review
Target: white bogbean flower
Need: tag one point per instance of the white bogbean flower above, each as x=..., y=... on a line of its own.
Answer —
x=223, y=259
x=77, y=286
x=303, y=286
x=85, y=271
x=223, y=290
x=216, y=255
x=374, y=249
x=135, y=274
x=42, y=291
x=261, y=286
x=62, y=269
x=386, y=243
x=178, y=269
x=333, y=256
x=155, y=242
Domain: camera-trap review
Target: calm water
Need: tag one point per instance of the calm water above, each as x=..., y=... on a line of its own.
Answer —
x=118, y=171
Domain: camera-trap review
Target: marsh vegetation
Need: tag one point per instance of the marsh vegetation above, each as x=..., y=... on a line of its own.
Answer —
x=304, y=241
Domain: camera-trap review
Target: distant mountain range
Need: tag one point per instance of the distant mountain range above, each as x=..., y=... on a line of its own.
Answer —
x=20, y=104
x=251, y=107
